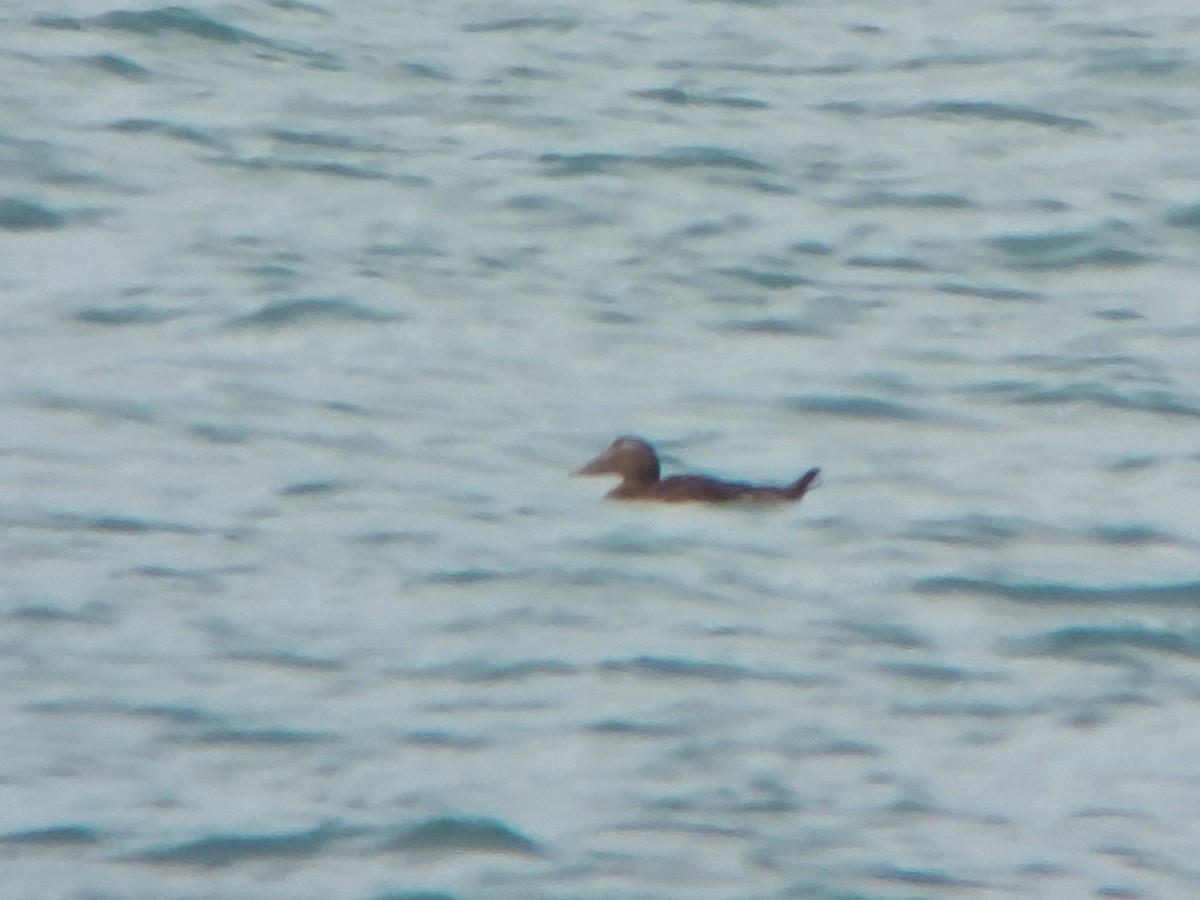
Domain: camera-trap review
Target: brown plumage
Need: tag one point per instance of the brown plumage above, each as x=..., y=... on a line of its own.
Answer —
x=636, y=462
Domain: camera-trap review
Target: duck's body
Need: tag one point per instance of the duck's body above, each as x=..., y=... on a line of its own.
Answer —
x=636, y=462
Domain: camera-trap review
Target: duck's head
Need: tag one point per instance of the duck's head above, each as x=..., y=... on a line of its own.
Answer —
x=628, y=456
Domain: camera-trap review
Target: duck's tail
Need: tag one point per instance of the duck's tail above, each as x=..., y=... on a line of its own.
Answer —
x=800, y=486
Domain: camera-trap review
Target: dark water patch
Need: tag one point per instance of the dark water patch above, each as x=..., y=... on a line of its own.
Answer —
x=135, y=314
x=921, y=671
x=1120, y=314
x=287, y=660
x=55, y=836
x=1156, y=401
x=59, y=22
x=674, y=96
x=762, y=794
x=21, y=214
x=1136, y=535
x=988, y=292
x=317, y=487
x=991, y=111
x=702, y=829
x=221, y=850
x=637, y=729
x=92, y=613
x=173, y=19
x=810, y=248
x=676, y=667
x=121, y=66
x=454, y=834
x=427, y=71
x=186, y=133
x=120, y=410
x=1134, y=60
x=560, y=165
x=881, y=634
x=1066, y=250
x=899, y=263
x=814, y=741
x=318, y=167
x=198, y=578
x=851, y=407
x=1135, y=463
x=175, y=715
x=703, y=157
x=976, y=530
x=303, y=310
x=217, y=433
x=262, y=737
x=772, y=280
x=926, y=200
x=476, y=575
x=1185, y=216
x=120, y=524
x=1184, y=593
x=393, y=537
x=560, y=23
x=446, y=739
x=964, y=709
x=487, y=671
x=324, y=139
x=1085, y=640
x=929, y=878
x=770, y=326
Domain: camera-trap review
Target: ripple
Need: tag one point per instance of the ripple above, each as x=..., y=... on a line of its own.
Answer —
x=852, y=407
x=282, y=313
x=220, y=850
x=1081, y=640
x=122, y=524
x=934, y=878
x=920, y=671
x=972, y=530
x=121, y=66
x=704, y=157
x=988, y=292
x=675, y=96
x=1185, y=216
x=173, y=19
x=676, y=667
x=1066, y=250
x=134, y=314
x=273, y=736
x=486, y=671
x=918, y=200
x=1142, y=61
x=773, y=280
x=1184, y=593
x=1153, y=400
x=1001, y=112
x=678, y=158
x=556, y=23
x=453, y=834
x=187, y=133
x=55, y=836
x=20, y=214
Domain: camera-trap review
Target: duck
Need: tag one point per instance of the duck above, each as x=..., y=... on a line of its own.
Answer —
x=635, y=460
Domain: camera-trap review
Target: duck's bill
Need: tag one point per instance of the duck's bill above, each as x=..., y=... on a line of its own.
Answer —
x=598, y=466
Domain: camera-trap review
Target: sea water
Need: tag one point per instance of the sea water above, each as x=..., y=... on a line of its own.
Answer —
x=307, y=310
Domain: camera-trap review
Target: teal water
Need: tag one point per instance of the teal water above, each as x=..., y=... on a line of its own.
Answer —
x=306, y=312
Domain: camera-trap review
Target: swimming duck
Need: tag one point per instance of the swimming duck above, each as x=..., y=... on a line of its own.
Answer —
x=636, y=462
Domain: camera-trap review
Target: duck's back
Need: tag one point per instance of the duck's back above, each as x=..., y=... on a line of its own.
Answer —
x=704, y=489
